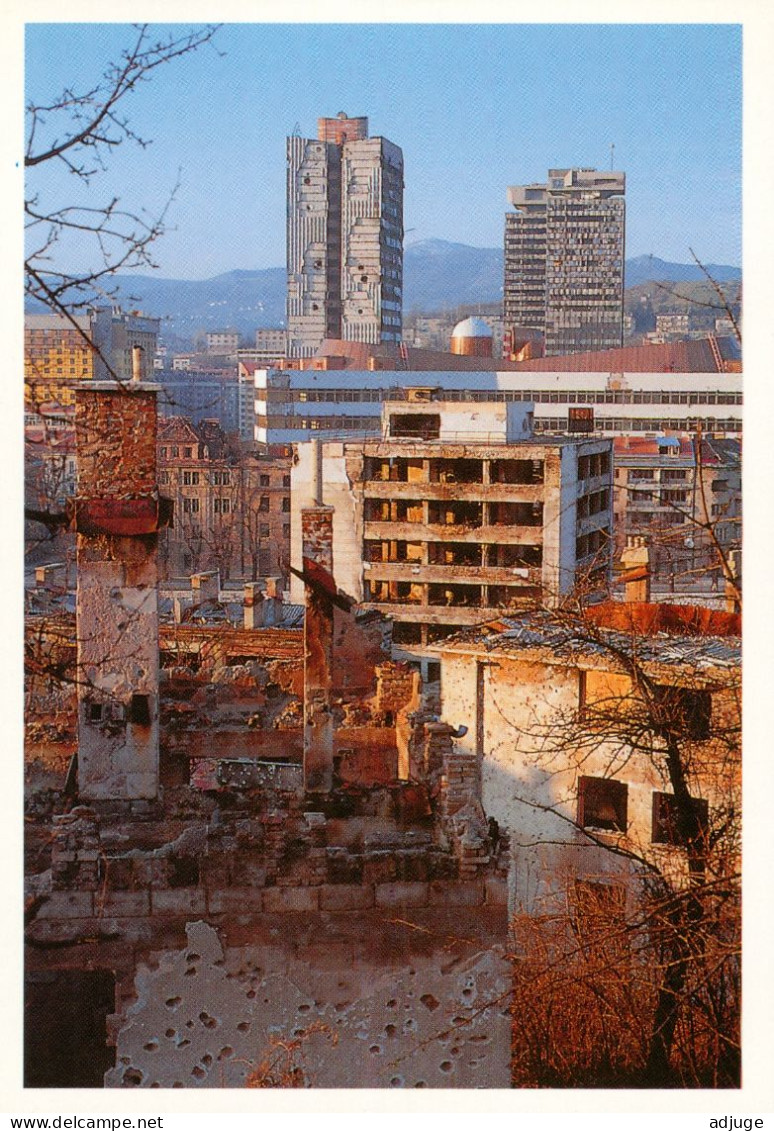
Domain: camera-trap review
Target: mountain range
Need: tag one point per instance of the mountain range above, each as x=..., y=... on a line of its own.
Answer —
x=438, y=275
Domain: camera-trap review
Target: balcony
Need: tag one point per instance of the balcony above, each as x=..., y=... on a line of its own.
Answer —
x=441, y=492
x=444, y=574
x=469, y=532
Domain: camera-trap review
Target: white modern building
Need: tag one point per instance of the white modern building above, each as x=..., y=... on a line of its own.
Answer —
x=295, y=405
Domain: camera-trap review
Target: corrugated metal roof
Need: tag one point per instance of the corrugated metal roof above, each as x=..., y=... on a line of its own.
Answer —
x=570, y=640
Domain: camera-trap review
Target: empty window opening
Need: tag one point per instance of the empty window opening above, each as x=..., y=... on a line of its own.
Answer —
x=666, y=820
x=602, y=804
x=516, y=471
x=682, y=711
x=420, y=425
x=139, y=711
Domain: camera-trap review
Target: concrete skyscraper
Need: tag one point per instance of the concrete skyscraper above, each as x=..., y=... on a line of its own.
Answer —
x=564, y=259
x=344, y=236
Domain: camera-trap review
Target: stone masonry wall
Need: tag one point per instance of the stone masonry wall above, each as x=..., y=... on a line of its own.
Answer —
x=116, y=442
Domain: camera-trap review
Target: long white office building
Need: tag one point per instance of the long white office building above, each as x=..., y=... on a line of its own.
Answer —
x=294, y=405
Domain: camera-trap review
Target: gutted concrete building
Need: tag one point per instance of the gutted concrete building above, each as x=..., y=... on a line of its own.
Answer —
x=458, y=511
x=344, y=236
x=564, y=259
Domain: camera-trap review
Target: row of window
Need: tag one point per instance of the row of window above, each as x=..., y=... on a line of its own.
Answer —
x=603, y=807
x=540, y=396
x=222, y=505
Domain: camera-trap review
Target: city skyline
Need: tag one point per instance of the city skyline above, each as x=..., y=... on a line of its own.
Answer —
x=668, y=97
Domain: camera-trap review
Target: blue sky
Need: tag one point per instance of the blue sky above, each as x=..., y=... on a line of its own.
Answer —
x=474, y=108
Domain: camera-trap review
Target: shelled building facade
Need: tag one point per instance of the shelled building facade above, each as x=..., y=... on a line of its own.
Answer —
x=292, y=405
x=344, y=236
x=459, y=512
x=231, y=508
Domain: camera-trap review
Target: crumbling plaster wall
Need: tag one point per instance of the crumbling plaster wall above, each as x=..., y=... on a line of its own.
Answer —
x=531, y=761
x=340, y=489
x=436, y=1016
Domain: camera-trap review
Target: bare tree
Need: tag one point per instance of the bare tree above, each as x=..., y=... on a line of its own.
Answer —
x=78, y=131
x=628, y=975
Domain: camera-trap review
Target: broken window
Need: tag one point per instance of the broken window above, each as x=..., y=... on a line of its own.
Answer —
x=602, y=804
x=683, y=711
x=420, y=425
x=139, y=711
x=666, y=826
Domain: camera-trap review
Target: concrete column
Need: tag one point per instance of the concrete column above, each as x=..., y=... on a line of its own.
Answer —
x=317, y=554
x=205, y=586
x=253, y=605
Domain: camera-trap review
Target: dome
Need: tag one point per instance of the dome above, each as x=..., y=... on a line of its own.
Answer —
x=472, y=328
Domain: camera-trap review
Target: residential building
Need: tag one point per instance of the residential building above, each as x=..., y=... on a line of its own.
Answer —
x=564, y=259
x=60, y=352
x=344, y=236
x=57, y=355
x=115, y=333
x=456, y=512
x=682, y=496
x=570, y=759
x=231, y=508
x=201, y=396
x=222, y=341
x=673, y=324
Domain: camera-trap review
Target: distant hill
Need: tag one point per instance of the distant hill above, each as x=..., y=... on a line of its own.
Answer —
x=438, y=275
x=647, y=268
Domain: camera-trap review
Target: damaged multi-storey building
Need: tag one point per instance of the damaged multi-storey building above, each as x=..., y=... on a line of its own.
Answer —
x=457, y=513
x=344, y=236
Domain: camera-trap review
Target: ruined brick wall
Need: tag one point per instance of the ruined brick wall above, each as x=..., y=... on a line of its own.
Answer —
x=116, y=442
x=397, y=686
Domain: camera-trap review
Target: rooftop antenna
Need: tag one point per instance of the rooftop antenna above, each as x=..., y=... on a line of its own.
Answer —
x=296, y=130
x=612, y=155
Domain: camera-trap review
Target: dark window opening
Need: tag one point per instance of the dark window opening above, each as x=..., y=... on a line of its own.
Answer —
x=406, y=633
x=433, y=672
x=516, y=471
x=456, y=471
x=666, y=823
x=94, y=712
x=139, y=711
x=420, y=425
x=602, y=804
x=682, y=711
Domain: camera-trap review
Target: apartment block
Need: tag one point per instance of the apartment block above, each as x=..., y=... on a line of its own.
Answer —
x=682, y=497
x=459, y=512
x=57, y=354
x=344, y=236
x=231, y=508
x=115, y=333
x=564, y=259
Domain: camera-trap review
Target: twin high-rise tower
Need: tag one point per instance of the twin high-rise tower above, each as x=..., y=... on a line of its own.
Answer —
x=564, y=247
x=344, y=236
x=564, y=260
